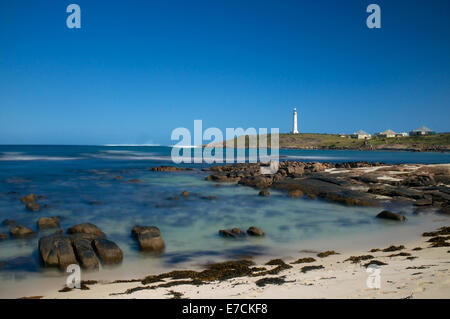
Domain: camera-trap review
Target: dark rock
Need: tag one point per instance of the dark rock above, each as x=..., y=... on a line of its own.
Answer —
x=86, y=228
x=264, y=193
x=85, y=254
x=20, y=231
x=33, y=207
x=419, y=180
x=168, y=169
x=108, y=251
x=233, y=233
x=385, y=214
x=255, y=231
x=8, y=222
x=227, y=234
x=440, y=231
x=3, y=236
x=56, y=251
x=148, y=237
x=30, y=198
x=48, y=222
x=295, y=193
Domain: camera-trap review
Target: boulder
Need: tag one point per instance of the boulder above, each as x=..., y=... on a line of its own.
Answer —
x=296, y=193
x=318, y=167
x=20, y=231
x=48, y=222
x=233, y=233
x=57, y=251
x=3, y=236
x=185, y=194
x=85, y=253
x=255, y=231
x=264, y=193
x=86, y=228
x=108, y=251
x=385, y=214
x=148, y=237
x=30, y=198
x=33, y=207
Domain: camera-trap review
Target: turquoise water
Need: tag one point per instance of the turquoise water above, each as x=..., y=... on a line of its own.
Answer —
x=72, y=177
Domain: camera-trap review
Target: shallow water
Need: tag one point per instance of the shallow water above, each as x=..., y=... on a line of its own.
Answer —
x=73, y=177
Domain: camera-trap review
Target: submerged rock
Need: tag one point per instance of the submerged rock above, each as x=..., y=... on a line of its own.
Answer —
x=86, y=228
x=264, y=193
x=385, y=214
x=20, y=231
x=30, y=198
x=85, y=254
x=233, y=233
x=48, y=222
x=255, y=231
x=57, y=251
x=33, y=207
x=108, y=251
x=148, y=237
x=295, y=193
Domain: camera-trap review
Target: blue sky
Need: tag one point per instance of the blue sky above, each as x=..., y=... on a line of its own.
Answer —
x=138, y=69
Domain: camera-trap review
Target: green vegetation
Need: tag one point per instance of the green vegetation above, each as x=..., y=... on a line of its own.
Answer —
x=437, y=142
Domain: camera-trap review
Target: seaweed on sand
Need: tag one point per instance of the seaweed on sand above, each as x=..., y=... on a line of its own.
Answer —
x=304, y=260
x=393, y=248
x=271, y=281
x=327, y=253
x=309, y=268
x=357, y=259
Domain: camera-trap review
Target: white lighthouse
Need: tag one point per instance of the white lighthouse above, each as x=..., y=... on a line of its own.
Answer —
x=294, y=124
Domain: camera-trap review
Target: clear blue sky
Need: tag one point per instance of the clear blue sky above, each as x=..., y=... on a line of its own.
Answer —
x=138, y=69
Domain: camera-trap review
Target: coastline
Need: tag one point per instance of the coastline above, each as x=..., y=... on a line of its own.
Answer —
x=408, y=273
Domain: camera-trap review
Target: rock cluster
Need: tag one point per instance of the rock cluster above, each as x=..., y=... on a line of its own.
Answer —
x=82, y=244
x=238, y=233
x=352, y=183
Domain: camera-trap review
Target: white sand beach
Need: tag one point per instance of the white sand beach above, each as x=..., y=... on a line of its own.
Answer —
x=414, y=273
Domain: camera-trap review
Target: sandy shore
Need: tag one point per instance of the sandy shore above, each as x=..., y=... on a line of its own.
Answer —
x=414, y=273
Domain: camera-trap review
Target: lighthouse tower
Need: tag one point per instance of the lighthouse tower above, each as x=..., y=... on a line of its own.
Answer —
x=294, y=124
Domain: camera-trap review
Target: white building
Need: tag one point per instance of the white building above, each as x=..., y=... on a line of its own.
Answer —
x=361, y=135
x=294, y=124
x=423, y=130
x=387, y=133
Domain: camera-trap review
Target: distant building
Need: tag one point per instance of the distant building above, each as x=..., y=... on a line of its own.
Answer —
x=402, y=134
x=361, y=135
x=423, y=130
x=294, y=124
x=387, y=133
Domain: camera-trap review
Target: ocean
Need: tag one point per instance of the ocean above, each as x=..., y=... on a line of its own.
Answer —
x=112, y=187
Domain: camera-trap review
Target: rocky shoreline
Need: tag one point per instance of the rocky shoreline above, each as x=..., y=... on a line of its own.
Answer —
x=352, y=183
x=389, y=187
